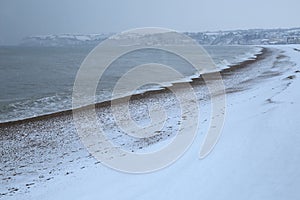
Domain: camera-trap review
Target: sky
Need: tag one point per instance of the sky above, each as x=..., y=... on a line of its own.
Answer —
x=19, y=18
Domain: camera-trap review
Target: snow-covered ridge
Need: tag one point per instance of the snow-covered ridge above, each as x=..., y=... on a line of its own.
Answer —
x=63, y=39
x=248, y=37
x=235, y=37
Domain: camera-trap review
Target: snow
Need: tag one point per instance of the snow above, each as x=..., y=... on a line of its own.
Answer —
x=257, y=156
x=231, y=37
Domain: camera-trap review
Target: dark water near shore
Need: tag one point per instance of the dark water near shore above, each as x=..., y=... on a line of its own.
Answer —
x=39, y=80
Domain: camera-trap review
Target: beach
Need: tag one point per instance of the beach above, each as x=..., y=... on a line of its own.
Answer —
x=256, y=157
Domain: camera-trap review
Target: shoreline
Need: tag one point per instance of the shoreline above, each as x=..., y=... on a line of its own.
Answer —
x=194, y=81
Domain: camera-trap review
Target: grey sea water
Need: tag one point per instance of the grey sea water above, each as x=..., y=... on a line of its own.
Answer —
x=39, y=80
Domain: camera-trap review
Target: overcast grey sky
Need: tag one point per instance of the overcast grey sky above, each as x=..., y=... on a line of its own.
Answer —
x=20, y=18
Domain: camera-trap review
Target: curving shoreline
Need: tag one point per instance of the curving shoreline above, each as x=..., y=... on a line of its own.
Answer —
x=194, y=81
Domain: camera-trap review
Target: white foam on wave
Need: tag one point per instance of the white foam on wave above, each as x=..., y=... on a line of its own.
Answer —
x=29, y=108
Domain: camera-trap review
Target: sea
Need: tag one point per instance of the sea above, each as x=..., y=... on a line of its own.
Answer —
x=39, y=80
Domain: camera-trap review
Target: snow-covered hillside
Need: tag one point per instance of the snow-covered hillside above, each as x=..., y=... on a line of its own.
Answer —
x=236, y=37
x=249, y=37
x=64, y=39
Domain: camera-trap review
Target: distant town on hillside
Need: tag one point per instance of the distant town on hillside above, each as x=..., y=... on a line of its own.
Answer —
x=234, y=37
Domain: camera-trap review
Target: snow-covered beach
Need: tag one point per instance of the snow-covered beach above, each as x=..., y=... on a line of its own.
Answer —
x=257, y=156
